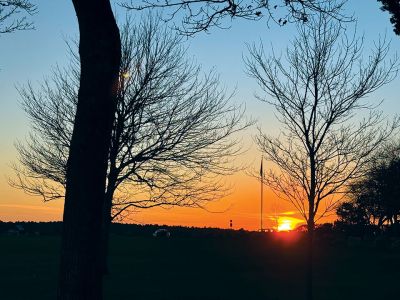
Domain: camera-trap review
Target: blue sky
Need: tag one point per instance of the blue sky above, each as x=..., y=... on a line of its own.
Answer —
x=30, y=55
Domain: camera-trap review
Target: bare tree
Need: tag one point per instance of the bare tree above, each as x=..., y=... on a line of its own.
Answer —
x=173, y=133
x=171, y=128
x=200, y=15
x=9, y=12
x=317, y=92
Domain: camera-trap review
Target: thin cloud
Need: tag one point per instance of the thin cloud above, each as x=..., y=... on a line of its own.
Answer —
x=30, y=207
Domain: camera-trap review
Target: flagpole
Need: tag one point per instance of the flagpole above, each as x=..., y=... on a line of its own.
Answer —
x=262, y=194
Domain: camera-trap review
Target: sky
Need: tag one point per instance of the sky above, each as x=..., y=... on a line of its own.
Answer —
x=29, y=56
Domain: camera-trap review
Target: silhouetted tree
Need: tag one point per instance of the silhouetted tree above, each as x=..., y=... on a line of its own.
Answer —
x=80, y=274
x=316, y=93
x=200, y=15
x=172, y=134
x=352, y=213
x=393, y=7
x=10, y=18
x=376, y=195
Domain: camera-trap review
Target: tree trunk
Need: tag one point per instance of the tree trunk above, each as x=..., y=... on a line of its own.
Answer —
x=111, y=187
x=106, y=230
x=310, y=228
x=309, y=260
x=80, y=274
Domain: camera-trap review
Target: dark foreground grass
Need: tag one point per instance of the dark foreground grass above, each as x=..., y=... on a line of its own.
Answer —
x=206, y=268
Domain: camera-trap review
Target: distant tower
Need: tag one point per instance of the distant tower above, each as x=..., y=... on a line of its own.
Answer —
x=230, y=224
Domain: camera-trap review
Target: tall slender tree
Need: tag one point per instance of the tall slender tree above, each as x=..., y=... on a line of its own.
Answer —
x=316, y=93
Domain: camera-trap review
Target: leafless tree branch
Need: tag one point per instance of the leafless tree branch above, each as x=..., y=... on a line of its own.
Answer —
x=200, y=15
x=9, y=12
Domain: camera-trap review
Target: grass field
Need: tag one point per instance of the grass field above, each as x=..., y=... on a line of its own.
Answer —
x=206, y=268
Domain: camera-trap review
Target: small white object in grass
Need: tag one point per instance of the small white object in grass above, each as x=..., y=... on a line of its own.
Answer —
x=162, y=232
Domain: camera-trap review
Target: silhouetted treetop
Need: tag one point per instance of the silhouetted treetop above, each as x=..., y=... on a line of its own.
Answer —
x=200, y=15
x=393, y=7
x=352, y=213
x=375, y=198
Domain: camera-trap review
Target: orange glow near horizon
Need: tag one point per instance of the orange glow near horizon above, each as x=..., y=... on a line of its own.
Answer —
x=242, y=206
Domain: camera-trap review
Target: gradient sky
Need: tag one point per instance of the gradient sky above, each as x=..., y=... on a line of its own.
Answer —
x=29, y=56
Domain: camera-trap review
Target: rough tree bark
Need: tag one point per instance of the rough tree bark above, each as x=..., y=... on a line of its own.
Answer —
x=100, y=54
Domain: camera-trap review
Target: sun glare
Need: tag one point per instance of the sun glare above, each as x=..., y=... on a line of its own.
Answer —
x=285, y=225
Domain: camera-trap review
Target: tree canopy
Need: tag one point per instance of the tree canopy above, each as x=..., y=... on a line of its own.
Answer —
x=393, y=8
x=375, y=198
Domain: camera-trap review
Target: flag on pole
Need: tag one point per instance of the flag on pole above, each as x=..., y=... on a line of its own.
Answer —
x=261, y=169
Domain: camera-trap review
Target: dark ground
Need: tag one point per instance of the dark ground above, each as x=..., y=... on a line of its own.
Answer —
x=227, y=267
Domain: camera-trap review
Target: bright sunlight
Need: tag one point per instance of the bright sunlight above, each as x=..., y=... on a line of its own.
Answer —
x=285, y=224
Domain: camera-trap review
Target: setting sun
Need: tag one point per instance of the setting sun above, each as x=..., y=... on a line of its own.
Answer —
x=285, y=225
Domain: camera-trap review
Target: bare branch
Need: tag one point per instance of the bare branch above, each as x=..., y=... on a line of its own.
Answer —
x=200, y=15
x=9, y=10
